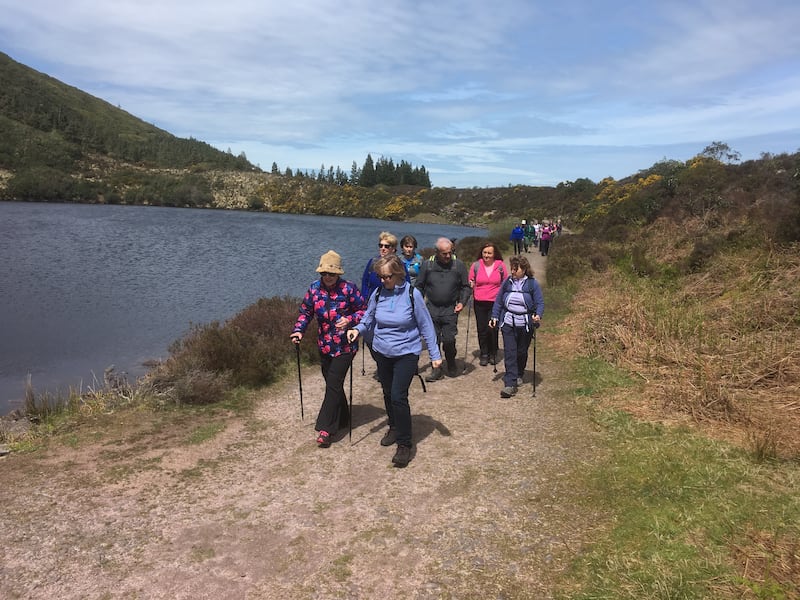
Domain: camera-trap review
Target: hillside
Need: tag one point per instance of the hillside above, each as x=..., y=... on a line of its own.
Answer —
x=686, y=281
x=47, y=123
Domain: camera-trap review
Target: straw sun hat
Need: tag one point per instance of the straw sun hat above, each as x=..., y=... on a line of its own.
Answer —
x=330, y=262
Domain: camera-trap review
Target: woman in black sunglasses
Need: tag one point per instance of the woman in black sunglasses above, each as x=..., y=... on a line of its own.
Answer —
x=387, y=244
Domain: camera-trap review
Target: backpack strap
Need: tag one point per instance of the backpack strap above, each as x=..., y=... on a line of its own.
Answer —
x=410, y=296
x=500, y=267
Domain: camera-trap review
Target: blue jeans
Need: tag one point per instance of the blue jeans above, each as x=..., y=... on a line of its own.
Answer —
x=516, y=341
x=396, y=374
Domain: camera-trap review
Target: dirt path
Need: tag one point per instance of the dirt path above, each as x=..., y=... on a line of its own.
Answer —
x=486, y=507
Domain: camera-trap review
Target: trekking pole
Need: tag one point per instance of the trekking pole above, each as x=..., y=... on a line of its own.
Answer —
x=494, y=334
x=350, y=419
x=534, y=362
x=299, y=379
x=466, y=341
x=363, y=358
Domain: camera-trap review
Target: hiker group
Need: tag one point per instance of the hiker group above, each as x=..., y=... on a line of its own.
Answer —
x=534, y=234
x=406, y=303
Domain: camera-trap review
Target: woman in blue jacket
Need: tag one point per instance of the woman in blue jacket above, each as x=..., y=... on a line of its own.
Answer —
x=399, y=321
x=518, y=309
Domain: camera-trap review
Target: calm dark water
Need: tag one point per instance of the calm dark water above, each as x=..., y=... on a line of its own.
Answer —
x=85, y=287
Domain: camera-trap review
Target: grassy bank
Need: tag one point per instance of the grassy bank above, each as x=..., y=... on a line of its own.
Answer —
x=686, y=516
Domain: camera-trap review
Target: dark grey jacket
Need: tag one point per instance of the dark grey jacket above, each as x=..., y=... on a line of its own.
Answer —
x=444, y=285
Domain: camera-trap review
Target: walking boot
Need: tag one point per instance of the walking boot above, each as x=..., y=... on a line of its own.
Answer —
x=508, y=391
x=484, y=360
x=436, y=374
x=389, y=438
x=452, y=369
x=402, y=456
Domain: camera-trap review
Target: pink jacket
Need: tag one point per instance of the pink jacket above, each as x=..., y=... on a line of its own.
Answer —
x=488, y=286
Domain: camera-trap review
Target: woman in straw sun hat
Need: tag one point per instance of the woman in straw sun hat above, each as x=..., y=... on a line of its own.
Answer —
x=337, y=305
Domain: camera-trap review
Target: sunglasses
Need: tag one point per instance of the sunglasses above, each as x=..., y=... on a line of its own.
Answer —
x=385, y=246
x=386, y=277
x=327, y=274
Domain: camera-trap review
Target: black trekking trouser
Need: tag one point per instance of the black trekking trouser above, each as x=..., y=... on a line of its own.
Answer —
x=334, y=412
x=487, y=336
x=544, y=247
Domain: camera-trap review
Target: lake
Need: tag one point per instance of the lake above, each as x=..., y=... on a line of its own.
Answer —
x=85, y=287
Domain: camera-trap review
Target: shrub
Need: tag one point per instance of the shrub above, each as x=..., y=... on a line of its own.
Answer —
x=251, y=349
x=469, y=248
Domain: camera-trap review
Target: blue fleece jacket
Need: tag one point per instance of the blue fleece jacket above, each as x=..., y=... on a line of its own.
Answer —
x=396, y=330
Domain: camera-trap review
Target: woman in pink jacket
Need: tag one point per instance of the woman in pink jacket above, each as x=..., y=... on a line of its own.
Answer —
x=486, y=276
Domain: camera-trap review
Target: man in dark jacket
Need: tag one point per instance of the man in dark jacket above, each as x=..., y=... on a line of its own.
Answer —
x=444, y=282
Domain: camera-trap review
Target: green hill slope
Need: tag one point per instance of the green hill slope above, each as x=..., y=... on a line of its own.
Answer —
x=46, y=123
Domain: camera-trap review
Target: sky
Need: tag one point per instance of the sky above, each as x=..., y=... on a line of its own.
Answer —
x=482, y=94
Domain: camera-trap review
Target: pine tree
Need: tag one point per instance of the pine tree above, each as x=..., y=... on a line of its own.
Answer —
x=368, y=178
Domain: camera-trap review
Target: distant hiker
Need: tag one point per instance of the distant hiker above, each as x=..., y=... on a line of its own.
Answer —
x=411, y=258
x=486, y=276
x=399, y=321
x=445, y=284
x=337, y=305
x=517, y=310
x=545, y=238
x=530, y=235
x=559, y=228
x=518, y=238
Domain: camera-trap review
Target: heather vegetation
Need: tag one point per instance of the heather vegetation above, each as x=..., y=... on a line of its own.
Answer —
x=686, y=277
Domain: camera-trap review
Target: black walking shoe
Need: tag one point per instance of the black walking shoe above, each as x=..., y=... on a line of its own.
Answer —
x=452, y=369
x=436, y=374
x=389, y=438
x=484, y=360
x=402, y=456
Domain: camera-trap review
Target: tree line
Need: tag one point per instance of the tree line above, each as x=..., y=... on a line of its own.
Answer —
x=371, y=173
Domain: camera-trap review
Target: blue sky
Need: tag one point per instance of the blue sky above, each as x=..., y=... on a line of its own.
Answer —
x=480, y=93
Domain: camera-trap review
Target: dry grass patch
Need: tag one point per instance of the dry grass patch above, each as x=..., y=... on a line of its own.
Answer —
x=723, y=347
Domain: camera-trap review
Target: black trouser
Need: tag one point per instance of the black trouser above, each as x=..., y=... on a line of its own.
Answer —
x=396, y=374
x=445, y=322
x=518, y=244
x=334, y=413
x=487, y=337
x=544, y=246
